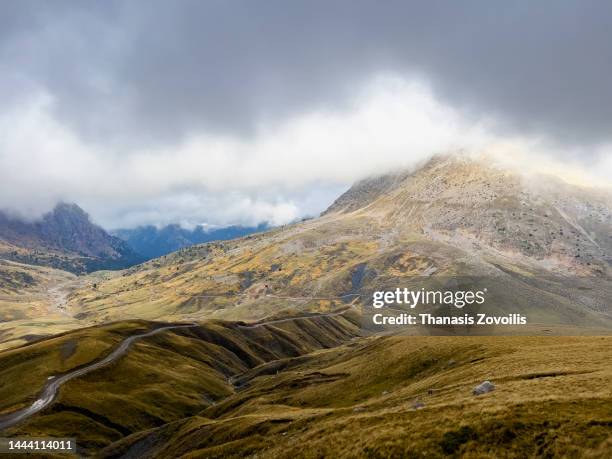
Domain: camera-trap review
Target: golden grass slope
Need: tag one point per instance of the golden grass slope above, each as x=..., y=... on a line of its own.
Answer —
x=33, y=302
x=409, y=397
x=309, y=388
x=161, y=379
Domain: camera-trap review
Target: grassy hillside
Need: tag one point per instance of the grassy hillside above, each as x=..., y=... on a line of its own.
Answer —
x=303, y=389
x=408, y=397
x=322, y=264
x=33, y=302
x=162, y=378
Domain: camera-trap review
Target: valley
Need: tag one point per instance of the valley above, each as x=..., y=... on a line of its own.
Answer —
x=222, y=390
x=33, y=302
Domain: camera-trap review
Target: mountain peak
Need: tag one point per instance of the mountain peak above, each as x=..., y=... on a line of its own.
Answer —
x=438, y=171
x=474, y=203
x=65, y=237
x=67, y=214
x=69, y=208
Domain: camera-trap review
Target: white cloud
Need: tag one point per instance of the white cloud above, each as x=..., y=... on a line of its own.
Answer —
x=286, y=170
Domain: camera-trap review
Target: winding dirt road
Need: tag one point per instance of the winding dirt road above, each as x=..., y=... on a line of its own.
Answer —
x=290, y=319
x=52, y=386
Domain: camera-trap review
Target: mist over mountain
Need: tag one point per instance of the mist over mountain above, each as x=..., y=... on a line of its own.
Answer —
x=474, y=204
x=153, y=242
x=540, y=246
x=63, y=238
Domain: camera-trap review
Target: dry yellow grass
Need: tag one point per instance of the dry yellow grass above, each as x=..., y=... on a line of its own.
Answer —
x=553, y=398
x=226, y=391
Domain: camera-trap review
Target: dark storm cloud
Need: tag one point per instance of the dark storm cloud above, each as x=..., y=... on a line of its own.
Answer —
x=239, y=111
x=158, y=70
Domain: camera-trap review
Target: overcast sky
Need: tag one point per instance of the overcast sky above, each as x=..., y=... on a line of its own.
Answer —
x=241, y=111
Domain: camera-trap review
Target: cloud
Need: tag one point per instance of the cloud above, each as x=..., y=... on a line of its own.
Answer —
x=285, y=170
x=154, y=72
x=239, y=112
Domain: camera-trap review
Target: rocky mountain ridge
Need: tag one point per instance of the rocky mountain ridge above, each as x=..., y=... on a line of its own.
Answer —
x=63, y=238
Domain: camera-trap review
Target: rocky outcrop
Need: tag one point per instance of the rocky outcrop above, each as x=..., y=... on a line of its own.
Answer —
x=484, y=388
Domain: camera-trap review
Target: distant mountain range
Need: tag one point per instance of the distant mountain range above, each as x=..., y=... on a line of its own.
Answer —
x=64, y=238
x=152, y=242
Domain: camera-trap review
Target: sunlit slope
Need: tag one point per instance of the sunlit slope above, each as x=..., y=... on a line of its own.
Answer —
x=25, y=369
x=540, y=246
x=305, y=388
x=161, y=379
x=33, y=302
x=407, y=397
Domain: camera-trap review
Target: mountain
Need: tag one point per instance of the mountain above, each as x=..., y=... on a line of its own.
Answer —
x=154, y=242
x=257, y=346
x=472, y=205
x=64, y=238
x=540, y=246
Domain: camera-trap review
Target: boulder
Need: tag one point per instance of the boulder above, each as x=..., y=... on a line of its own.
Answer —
x=417, y=404
x=484, y=388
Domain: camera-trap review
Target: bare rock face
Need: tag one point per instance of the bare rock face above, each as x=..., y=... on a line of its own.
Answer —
x=484, y=388
x=366, y=191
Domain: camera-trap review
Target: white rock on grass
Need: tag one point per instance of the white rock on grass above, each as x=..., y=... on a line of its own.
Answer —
x=417, y=404
x=483, y=388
